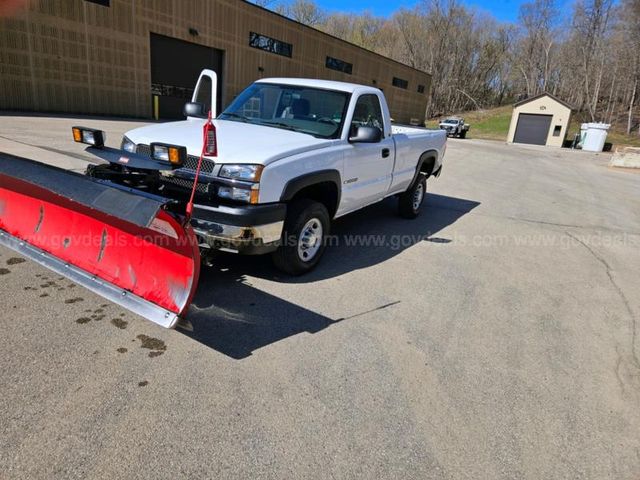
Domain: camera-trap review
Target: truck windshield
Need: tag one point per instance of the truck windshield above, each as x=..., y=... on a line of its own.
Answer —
x=307, y=110
x=451, y=120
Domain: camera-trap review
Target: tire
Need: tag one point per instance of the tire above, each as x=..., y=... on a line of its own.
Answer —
x=410, y=201
x=463, y=134
x=303, y=216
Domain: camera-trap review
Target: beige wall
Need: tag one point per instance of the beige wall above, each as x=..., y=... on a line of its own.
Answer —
x=544, y=106
x=76, y=56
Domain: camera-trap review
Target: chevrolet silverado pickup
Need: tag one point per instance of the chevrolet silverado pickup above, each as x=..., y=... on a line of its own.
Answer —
x=290, y=155
x=455, y=126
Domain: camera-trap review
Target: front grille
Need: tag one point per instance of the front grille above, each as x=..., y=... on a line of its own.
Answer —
x=188, y=184
x=143, y=150
x=190, y=164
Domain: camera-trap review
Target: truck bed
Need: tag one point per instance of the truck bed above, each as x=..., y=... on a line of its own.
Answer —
x=417, y=140
x=410, y=129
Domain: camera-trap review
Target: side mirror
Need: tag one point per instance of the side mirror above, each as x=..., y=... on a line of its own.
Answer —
x=366, y=135
x=195, y=109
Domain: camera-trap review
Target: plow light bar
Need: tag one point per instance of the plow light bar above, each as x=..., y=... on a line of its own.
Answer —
x=89, y=136
x=174, y=154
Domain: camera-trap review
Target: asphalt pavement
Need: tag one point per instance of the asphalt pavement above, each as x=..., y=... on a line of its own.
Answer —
x=494, y=337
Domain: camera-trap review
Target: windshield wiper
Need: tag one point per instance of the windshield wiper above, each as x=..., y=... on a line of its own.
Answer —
x=236, y=115
x=286, y=126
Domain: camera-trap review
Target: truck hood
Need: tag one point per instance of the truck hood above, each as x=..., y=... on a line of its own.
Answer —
x=238, y=142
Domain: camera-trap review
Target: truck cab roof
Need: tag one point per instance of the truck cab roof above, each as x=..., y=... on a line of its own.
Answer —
x=323, y=84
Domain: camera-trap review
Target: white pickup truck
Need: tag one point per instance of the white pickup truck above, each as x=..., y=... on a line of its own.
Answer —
x=454, y=126
x=292, y=154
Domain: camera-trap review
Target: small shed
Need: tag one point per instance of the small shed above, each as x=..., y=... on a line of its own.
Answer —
x=540, y=120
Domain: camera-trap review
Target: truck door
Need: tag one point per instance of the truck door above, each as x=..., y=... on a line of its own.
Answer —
x=368, y=167
x=206, y=91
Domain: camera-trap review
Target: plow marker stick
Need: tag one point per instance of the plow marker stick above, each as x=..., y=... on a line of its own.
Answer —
x=210, y=148
x=120, y=244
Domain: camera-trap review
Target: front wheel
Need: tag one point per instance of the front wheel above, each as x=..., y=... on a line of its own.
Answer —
x=463, y=134
x=304, y=238
x=410, y=201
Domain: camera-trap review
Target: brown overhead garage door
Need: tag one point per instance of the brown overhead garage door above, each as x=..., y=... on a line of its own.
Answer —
x=532, y=129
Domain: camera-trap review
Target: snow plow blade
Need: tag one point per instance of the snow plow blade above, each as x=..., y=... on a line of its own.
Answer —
x=122, y=244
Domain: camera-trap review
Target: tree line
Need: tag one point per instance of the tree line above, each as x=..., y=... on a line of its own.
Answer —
x=588, y=55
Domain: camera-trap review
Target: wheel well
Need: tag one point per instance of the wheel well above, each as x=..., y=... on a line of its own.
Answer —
x=323, y=192
x=428, y=163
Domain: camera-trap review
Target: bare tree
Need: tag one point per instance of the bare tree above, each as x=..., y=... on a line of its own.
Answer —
x=535, y=45
x=364, y=30
x=591, y=59
x=630, y=50
x=590, y=29
x=303, y=11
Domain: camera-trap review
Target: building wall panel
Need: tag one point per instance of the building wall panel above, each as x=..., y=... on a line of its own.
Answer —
x=79, y=57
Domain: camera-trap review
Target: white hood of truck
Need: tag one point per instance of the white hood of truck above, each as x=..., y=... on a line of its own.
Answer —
x=238, y=142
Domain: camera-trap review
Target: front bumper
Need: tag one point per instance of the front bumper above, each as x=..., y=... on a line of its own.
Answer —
x=250, y=229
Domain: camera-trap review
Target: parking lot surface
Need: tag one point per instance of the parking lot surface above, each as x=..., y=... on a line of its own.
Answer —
x=494, y=337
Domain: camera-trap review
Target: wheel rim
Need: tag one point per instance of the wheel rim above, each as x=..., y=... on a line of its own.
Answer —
x=418, y=195
x=310, y=240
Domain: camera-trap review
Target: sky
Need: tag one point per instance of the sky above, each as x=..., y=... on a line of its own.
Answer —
x=504, y=10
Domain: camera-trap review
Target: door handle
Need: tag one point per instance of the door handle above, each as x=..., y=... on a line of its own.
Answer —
x=385, y=152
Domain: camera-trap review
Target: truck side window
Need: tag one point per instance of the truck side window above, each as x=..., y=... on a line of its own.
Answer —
x=368, y=112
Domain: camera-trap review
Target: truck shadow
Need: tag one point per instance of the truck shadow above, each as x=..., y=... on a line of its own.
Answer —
x=234, y=318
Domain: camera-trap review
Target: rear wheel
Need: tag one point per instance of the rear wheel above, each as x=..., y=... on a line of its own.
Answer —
x=410, y=201
x=304, y=238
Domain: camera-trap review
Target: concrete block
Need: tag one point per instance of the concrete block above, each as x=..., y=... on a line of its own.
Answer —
x=628, y=157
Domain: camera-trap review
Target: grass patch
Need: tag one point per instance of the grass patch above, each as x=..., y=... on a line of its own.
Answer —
x=490, y=124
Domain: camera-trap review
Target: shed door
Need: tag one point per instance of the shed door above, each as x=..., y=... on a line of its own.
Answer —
x=532, y=129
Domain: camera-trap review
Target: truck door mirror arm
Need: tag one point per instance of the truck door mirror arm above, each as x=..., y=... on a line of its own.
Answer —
x=364, y=134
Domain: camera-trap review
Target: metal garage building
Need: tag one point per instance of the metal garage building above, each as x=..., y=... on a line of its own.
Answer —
x=122, y=57
x=540, y=120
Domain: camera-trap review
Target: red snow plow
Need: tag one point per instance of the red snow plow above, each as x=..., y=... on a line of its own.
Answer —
x=134, y=248
x=128, y=247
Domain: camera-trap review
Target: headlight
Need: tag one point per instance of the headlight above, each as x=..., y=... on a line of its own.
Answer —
x=247, y=195
x=128, y=145
x=248, y=173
